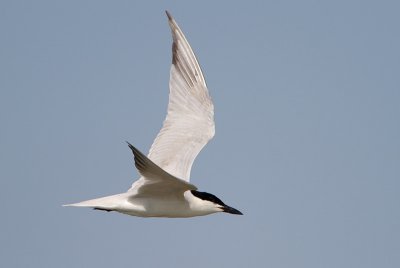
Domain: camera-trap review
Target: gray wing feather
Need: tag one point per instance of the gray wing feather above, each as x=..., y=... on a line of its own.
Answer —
x=155, y=179
x=189, y=124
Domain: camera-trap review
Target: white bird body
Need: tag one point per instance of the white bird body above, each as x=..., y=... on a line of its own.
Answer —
x=164, y=190
x=168, y=206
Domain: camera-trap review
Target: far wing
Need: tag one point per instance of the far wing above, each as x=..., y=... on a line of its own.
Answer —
x=154, y=180
x=189, y=124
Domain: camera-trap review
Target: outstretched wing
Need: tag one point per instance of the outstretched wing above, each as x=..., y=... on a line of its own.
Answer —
x=189, y=124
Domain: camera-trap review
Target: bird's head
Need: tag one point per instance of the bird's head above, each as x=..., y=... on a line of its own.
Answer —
x=214, y=203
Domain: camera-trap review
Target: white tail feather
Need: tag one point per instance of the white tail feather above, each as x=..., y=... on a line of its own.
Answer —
x=111, y=202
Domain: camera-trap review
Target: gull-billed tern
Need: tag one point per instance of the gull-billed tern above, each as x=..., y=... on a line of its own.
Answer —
x=164, y=190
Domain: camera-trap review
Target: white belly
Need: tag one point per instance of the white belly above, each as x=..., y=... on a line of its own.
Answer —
x=169, y=207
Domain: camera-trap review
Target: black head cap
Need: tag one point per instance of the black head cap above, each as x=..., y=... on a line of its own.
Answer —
x=216, y=200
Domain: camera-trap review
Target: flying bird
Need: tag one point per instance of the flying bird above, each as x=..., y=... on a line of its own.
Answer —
x=164, y=190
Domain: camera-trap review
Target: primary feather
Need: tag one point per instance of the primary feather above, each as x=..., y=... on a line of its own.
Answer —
x=189, y=124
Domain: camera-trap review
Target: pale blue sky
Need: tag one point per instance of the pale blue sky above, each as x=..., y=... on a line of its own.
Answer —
x=307, y=145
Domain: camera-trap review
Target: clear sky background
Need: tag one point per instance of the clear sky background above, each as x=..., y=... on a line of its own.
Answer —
x=307, y=145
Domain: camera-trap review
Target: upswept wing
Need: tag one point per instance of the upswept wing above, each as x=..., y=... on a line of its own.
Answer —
x=155, y=181
x=189, y=124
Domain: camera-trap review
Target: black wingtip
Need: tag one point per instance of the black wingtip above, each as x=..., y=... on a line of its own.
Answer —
x=130, y=145
x=138, y=154
x=168, y=15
